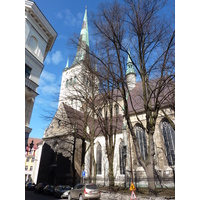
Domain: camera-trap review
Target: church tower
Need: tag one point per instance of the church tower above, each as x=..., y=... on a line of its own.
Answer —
x=130, y=73
x=75, y=78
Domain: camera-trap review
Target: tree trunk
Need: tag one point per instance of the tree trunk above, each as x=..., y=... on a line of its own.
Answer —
x=150, y=164
x=73, y=164
x=150, y=178
x=111, y=177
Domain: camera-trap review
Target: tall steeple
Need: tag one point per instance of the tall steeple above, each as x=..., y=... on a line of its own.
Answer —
x=130, y=67
x=67, y=65
x=83, y=45
x=130, y=73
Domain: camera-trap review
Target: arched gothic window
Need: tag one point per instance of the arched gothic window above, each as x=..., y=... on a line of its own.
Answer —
x=100, y=112
x=99, y=156
x=116, y=109
x=74, y=79
x=122, y=157
x=70, y=82
x=67, y=82
x=140, y=134
x=169, y=140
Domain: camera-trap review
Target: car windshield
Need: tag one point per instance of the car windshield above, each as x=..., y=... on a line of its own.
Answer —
x=91, y=187
x=66, y=188
x=80, y=186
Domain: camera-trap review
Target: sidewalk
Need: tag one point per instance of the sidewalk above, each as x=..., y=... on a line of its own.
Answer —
x=117, y=196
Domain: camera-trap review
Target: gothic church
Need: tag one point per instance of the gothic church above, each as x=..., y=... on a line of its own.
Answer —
x=66, y=142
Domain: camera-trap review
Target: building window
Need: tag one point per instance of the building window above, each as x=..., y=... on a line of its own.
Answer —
x=99, y=156
x=32, y=160
x=74, y=79
x=116, y=109
x=70, y=81
x=31, y=168
x=169, y=141
x=122, y=157
x=67, y=83
x=28, y=158
x=100, y=112
x=59, y=122
x=26, y=168
x=27, y=71
x=33, y=43
x=140, y=134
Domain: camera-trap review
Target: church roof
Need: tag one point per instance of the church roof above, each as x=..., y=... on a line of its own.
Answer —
x=135, y=96
x=36, y=141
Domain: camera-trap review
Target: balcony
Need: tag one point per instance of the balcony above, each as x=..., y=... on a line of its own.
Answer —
x=32, y=87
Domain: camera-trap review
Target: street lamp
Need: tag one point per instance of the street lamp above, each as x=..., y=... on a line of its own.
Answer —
x=28, y=149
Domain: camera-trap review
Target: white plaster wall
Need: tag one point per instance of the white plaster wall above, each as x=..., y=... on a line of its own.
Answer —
x=131, y=80
x=42, y=43
x=36, y=165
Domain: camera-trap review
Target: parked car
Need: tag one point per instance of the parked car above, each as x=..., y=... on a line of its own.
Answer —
x=30, y=186
x=65, y=194
x=60, y=189
x=39, y=187
x=49, y=190
x=84, y=191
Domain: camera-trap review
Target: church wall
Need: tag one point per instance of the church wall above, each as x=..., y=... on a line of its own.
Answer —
x=54, y=168
x=138, y=172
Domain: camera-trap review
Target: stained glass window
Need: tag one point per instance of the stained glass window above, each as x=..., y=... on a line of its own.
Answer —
x=99, y=156
x=169, y=141
x=140, y=134
x=122, y=157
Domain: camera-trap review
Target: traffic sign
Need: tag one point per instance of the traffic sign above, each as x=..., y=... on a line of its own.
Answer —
x=133, y=196
x=132, y=187
x=83, y=173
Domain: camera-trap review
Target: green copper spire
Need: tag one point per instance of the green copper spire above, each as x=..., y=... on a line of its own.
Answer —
x=83, y=45
x=84, y=30
x=130, y=67
x=67, y=65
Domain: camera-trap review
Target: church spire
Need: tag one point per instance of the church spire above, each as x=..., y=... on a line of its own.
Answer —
x=67, y=65
x=130, y=67
x=130, y=73
x=83, y=45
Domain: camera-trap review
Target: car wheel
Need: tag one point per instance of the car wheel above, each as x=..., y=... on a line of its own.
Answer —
x=81, y=197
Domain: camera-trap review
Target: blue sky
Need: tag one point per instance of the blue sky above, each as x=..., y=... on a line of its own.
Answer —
x=66, y=17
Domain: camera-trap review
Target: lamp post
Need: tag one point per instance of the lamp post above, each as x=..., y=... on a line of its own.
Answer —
x=29, y=148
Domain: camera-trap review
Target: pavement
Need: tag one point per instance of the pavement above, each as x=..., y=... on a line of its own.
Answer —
x=30, y=195
x=117, y=196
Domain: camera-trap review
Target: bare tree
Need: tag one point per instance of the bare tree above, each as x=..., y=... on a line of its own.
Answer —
x=151, y=40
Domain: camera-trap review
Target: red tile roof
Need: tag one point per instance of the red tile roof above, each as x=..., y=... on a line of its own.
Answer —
x=35, y=141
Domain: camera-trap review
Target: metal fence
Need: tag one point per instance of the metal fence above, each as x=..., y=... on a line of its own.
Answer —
x=164, y=179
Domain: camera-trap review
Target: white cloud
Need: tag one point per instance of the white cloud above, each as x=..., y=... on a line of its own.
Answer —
x=47, y=59
x=48, y=84
x=69, y=18
x=51, y=89
x=59, y=15
x=56, y=57
x=47, y=76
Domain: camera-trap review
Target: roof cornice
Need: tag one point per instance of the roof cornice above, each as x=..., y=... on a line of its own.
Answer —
x=38, y=16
